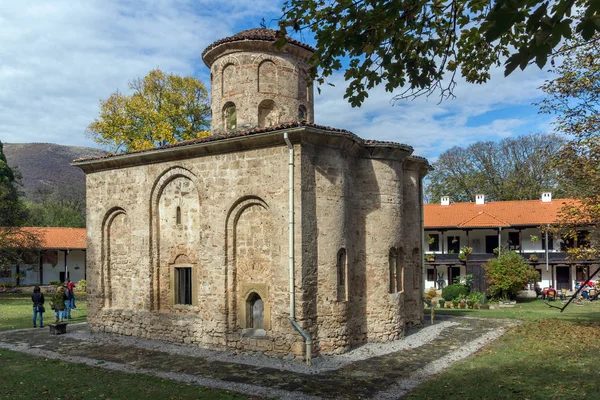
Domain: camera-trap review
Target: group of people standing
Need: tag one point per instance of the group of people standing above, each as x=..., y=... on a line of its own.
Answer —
x=62, y=302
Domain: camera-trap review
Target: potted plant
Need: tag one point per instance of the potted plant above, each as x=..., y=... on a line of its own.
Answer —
x=533, y=258
x=462, y=257
x=466, y=250
x=534, y=238
x=429, y=257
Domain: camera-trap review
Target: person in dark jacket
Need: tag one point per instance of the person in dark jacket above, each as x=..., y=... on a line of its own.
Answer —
x=38, y=306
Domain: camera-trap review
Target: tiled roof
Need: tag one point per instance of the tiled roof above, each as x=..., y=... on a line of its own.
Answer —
x=493, y=214
x=255, y=131
x=483, y=219
x=264, y=34
x=60, y=238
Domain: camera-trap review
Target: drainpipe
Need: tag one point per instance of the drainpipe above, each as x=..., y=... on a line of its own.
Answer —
x=547, y=227
x=291, y=253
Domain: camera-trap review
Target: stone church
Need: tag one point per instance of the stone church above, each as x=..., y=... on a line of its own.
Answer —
x=273, y=234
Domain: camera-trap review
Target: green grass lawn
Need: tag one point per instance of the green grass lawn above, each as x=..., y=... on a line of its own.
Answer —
x=28, y=377
x=16, y=310
x=551, y=355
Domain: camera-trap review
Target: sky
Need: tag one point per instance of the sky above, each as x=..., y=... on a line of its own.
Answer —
x=59, y=58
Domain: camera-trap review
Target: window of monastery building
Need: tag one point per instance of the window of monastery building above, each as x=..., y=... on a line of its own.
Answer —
x=229, y=116
x=302, y=113
x=178, y=216
x=454, y=244
x=342, y=275
x=255, y=311
x=431, y=274
x=434, y=244
x=183, y=285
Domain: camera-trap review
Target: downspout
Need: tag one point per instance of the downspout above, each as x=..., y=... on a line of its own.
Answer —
x=291, y=253
x=548, y=227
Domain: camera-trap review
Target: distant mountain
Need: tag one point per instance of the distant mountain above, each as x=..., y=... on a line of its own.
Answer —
x=46, y=169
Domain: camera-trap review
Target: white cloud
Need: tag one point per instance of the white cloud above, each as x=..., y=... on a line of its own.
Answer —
x=59, y=58
x=432, y=127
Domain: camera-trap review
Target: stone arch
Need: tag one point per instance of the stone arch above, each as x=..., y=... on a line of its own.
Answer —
x=267, y=76
x=231, y=290
x=229, y=116
x=157, y=190
x=113, y=251
x=228, y=78
x=267, y=114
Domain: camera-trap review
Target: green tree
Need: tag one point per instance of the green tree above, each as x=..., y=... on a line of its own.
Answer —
x=414, y=44
x=573, y=96
x=56, y=212
x=12, y=209
x=163, y=109
x=508, y=274
x=512, y=169
x=17, y=245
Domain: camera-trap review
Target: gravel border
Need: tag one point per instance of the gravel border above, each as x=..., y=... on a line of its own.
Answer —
x=415, y=338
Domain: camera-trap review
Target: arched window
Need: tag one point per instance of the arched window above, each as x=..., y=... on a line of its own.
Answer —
x=255, y=311
x=178, y=216
x=267, y=114
x=393, y=273
x=342, y=276
x=302, y=116
x=267, y=77
x=229, y=117
x=227, y=79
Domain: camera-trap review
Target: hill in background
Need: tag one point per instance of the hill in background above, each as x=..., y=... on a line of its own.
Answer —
x=46, y=169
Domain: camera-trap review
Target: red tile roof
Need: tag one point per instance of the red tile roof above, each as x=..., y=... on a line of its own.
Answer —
x=60, y=238
x=493, y=214
x=217, y=136
x=263, y=34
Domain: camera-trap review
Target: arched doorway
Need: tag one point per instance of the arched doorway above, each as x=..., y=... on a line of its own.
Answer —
x=255, y=311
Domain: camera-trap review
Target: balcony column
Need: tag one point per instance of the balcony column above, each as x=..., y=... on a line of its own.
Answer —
x=468, y=240
x=442, y=241
x=521, y=241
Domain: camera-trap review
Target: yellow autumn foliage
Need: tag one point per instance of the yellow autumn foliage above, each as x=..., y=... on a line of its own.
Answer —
x=162, y=109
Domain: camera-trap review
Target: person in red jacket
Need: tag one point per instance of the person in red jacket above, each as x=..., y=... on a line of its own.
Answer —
x=71, y=287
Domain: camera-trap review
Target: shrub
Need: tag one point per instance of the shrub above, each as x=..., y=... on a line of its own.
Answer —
x=81, y=285
x=54, y=282
x=452, y=292
x=508, y=274
x=431, y=293
x=442, y=302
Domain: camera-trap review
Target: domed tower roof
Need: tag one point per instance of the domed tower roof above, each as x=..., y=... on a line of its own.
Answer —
x=255, y=84
x=262, y=34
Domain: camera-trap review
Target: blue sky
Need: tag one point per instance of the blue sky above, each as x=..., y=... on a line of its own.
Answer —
x=60, y=57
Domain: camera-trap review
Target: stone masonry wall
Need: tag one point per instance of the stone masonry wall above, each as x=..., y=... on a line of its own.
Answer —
x=225, y=217
x=267, y=87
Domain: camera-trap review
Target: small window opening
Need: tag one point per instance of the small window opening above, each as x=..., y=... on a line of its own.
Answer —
x=255, y=310
x=183, y=285
x=392, y=264
x=178, y=217
x=302, y=113
x=342, y=276
x=230, y=117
